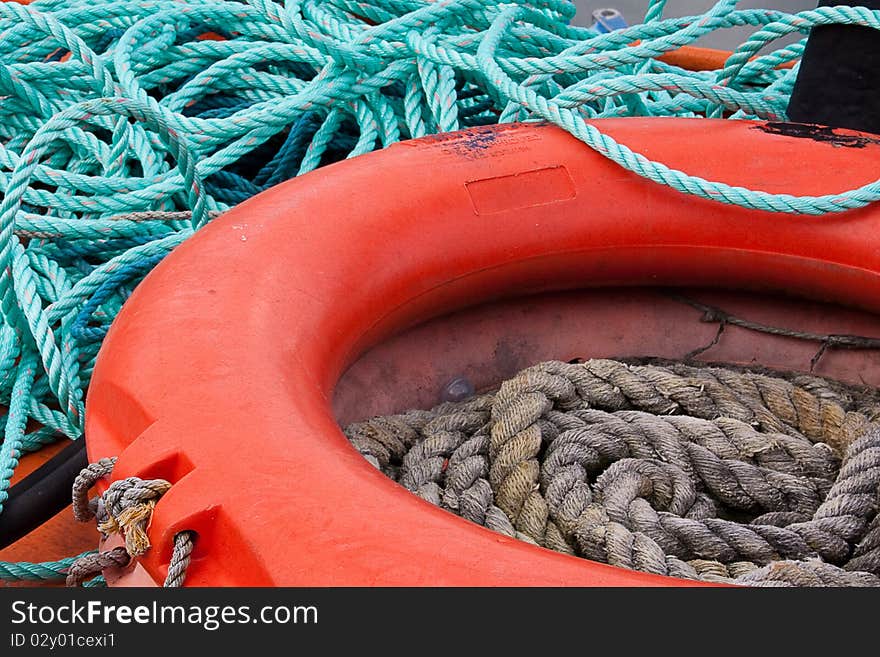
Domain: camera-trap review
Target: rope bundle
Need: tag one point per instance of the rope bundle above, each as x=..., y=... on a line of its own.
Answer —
x=700, y=473
x=125, y=125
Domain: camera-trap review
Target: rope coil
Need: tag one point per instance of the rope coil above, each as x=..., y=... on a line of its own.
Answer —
x=700, y=473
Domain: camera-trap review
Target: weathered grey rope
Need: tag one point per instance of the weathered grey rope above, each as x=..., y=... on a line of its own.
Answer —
x=427, y=444
x=767, y=403
x=92, y=565
x=129, y=504
x=704, y=473
x=180, y=559
x=125, y=507
x=83, y=508
x=161, y=215
x=866, y=556
x=632, y=492
x=809, y=573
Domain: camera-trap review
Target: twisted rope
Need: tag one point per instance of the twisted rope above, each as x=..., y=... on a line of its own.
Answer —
x=83, y=508
x=93, y=564
x=701, y=473
x=180, y=559
x=125, y=507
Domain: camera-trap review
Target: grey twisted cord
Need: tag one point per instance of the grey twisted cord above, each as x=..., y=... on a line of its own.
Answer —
x=92, y=565
x=811, y=573
x=180, y=559
x=161, y=215
x=83, y=508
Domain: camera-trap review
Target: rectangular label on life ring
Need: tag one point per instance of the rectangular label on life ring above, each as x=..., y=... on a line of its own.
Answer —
x=521, y=190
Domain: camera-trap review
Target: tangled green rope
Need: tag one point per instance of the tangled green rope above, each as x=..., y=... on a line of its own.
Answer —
x=125, y=125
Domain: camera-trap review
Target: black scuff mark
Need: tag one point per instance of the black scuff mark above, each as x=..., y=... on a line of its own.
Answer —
x=473, y=143
x=478, y=140
x=820, y=133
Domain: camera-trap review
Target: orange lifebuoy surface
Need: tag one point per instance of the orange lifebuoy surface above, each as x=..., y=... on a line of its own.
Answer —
x=218, y=373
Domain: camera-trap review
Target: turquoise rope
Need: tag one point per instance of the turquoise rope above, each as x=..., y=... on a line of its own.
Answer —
x=47, y=571
x=115, y=109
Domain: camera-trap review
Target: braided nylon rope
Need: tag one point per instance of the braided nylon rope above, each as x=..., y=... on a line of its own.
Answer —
x=125, y=125
x=700, y=473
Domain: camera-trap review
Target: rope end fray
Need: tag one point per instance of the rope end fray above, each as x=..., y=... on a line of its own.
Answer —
x=125, y=508
x=132, y=524
x=129, y=505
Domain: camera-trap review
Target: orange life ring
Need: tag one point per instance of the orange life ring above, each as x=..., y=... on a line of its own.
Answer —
x=218, y=372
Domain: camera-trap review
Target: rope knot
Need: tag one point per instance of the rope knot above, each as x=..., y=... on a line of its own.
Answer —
x=129, y=505
x=126, y=508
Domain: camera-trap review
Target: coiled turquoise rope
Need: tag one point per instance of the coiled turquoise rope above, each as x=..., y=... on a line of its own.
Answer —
x=116, y=108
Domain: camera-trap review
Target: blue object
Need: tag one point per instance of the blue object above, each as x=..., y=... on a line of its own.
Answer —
x=607, y=20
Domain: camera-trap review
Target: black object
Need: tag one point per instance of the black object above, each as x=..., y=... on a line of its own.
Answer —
x=839, y=79
x=42, y=494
